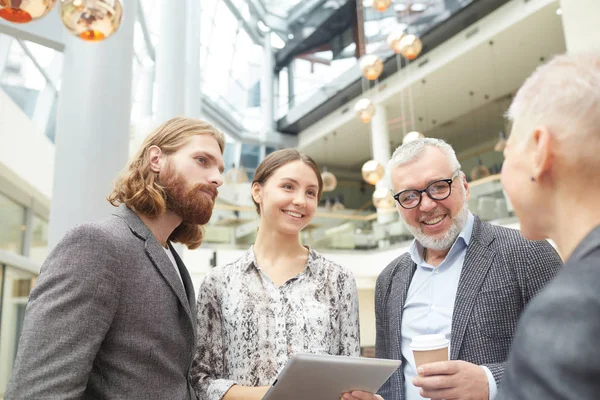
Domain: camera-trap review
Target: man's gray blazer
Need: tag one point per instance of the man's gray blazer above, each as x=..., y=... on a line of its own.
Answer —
x=556, y=352
x=108, y=319
x=501, y=273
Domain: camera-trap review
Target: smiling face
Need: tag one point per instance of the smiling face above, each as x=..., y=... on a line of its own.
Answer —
x=435, y=223
x=191, y=176
x=288, y=198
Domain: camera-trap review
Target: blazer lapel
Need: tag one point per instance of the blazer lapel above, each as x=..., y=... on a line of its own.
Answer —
x=161, y=261
x=396, y=298
x=477, y=263
x=187, y=282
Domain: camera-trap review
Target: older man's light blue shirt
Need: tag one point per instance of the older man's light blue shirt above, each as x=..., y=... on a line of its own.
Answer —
x=430, y=303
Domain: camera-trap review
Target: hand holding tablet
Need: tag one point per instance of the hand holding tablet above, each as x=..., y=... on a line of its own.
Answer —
x=327, y=377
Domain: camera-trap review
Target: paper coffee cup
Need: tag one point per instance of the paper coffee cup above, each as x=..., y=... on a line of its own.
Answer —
x=429, y=348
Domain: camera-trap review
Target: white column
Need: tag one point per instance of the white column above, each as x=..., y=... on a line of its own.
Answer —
x=380, y=135
x=580, y=23
x=193, y=81
x=266, y=88
x=144, y=94
x=93, y=117
x=291, y=70
x=146, y=90
x=380, y=142
x=171, y=60
x=237, y=158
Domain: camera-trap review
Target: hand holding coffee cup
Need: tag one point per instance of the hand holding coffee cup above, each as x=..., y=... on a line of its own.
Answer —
x=430, y=348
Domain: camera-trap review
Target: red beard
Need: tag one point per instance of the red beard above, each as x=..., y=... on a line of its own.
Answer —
x=193, y=205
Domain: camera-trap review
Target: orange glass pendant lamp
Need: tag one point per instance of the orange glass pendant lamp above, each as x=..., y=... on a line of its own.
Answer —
x=394, y=40
x=372, y=172
x=365, y=110
x=410, y=47
x=382, y=199
x=23, y=11
x=371, y=66
x=410, y=136
x=91, y=20
x=381, y=5
x=329, y=181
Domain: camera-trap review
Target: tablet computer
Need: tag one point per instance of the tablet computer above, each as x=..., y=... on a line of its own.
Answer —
x=326, y=377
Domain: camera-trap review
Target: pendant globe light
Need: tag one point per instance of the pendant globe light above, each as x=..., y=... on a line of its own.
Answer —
x=365, y=110
x=382, y=199
x=329, y=179
x=372, y=172
x=410, y=47
x=371, y=66
x=23, y=11
x=381, y=5
x=91, y=20
x=410, y=136
x=394, y=40
x=501, y=145
x=479, y=171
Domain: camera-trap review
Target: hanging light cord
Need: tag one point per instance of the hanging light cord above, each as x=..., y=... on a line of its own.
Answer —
x=402, y=105
x=410, y=101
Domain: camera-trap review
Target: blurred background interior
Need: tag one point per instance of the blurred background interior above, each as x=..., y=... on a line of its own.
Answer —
x=345, y=81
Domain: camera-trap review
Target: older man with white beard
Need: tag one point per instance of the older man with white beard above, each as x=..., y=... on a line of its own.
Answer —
x=462, y=277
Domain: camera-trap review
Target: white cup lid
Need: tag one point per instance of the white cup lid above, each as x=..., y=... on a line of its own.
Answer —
x=429, y=342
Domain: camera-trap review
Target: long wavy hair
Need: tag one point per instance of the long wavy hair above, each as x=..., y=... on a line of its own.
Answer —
x=137, y=185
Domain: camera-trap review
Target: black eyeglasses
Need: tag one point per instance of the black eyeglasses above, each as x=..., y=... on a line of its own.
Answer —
x=438, y=190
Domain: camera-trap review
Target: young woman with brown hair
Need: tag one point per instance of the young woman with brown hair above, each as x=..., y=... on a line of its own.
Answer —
x=280, y=298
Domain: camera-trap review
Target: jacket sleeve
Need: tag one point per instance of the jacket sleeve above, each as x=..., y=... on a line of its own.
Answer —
x=208, y=364
x=497, y=370
x=382, y=349
x=68, y=315
x=542, y=266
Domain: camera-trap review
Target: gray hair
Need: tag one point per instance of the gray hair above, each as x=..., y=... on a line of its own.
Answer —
x=411, y=150
x=564, y=96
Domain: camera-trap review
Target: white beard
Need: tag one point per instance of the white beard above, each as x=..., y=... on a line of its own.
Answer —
x=445, y=241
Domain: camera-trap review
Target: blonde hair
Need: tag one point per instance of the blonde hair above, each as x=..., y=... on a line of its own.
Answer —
x=564, y=96
x=137, y=186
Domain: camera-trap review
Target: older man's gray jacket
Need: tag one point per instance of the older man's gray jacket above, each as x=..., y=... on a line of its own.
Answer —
x=501, y=273
x=108, y=318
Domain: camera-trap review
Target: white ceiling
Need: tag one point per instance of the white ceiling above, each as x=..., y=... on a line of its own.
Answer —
x=280, y=8
x=442, y=101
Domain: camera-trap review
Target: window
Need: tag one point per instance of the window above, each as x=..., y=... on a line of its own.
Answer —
x=12, y=225
x=39, y=239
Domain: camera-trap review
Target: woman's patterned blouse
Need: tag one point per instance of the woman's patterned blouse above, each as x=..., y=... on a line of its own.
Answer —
x=248, y=328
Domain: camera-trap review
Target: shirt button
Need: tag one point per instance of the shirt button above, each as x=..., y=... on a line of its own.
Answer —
x=436, y=271
x=433, y=307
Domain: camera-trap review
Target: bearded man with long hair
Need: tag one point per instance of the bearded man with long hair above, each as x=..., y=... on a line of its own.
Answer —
x=112, y=315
